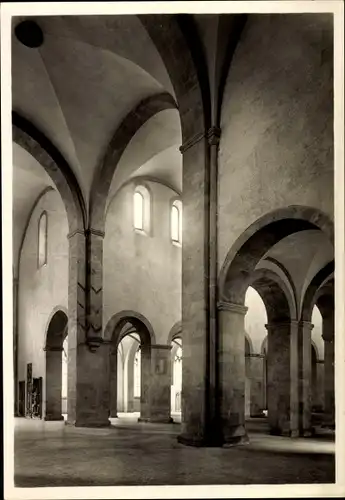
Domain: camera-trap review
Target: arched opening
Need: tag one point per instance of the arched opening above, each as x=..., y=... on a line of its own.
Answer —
x=176, y=378
x=247, y=389
x=264, y=355
x=56, y=367
x=131, y=338
x=255, y=332
x=287, y=350
x=314, y=384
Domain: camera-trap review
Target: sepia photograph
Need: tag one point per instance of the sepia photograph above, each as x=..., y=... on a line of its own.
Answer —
x=171, y=188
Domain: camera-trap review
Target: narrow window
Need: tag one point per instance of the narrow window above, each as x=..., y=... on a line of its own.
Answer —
x=176, y=222
x=138, y=211
x=42, y=239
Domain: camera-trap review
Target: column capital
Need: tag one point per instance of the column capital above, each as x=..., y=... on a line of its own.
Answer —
x=306, y=324
x=86, y=232
x=75, y=232
x=254, y=355
x=192, y=141
x=231, y=307
x=94, y=232
x=282, y=324
x=161, y=346
x=52, y=348
x=93, y=342
x=328, y=336
x=213, y=136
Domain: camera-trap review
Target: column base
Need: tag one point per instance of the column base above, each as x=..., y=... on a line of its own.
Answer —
x=156, y=420
x=257, y=414
x=92, y=423
x=53, y=418
x=236, y=441
x=198, y=442
x=234, y=435
x=310, y=432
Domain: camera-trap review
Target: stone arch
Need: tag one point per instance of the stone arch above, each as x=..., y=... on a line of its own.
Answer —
x=176, y=331
x=55, y=336
x=114, y=332
x=314, y=293
x=135, y=119
x=174, y=35
x=279, y=303
x=26, y=135
x=258, y=238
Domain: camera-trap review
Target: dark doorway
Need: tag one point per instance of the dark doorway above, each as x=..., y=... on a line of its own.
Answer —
x=21, y=402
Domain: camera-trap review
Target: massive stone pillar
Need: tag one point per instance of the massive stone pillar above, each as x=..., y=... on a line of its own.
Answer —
x=113, y=368
x=197, y=406
x=305, y=377
x=232, y=372
x=88, y=355
x=328, y=337
x=160, y=389
x=282, y=378
x=256, y=376
x=15, y=343
x=53, y=383
x=145, y=403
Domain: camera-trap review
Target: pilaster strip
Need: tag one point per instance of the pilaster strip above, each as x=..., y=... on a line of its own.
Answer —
x=229, y=306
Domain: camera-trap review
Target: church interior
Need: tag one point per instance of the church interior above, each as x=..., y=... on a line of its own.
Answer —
x=173, y=249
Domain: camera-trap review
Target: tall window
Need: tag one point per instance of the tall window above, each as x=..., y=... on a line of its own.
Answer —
x=138, y=211
x=137, y=373
x=176, y=221
x=141, y=209
x=42, y=239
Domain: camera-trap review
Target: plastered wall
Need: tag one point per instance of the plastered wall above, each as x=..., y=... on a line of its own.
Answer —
x=142, y=272
x=41, y=290
x=277, y=122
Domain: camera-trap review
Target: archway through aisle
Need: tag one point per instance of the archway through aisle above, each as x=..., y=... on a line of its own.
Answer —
x=131, y=337
x=287, y=336
x=56, y=367
x=176, y=378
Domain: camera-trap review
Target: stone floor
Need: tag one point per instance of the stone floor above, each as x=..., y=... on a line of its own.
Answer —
x=132, y=453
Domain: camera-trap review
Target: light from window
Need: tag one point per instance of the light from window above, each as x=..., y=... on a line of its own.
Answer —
x=42, y=239
x=178, y=369
x=137, y=373
x=64, y=368
x=176, y=222
x=138, y=211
